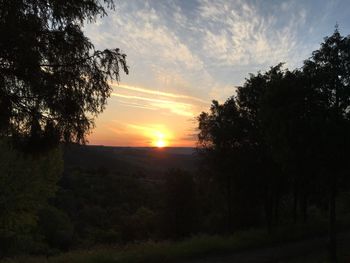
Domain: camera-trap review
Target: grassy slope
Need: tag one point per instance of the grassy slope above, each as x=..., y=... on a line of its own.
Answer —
x=195, y=247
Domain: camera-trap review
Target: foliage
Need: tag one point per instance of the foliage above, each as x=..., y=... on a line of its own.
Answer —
x=139, y=226
x=52, y=80
x=292, y=127
x=56, y=227
x=106, y=207
x=235, y=159
x=179, y=204
x=26, y=182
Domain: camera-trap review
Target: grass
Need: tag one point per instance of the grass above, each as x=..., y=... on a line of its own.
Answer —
x=195, y=247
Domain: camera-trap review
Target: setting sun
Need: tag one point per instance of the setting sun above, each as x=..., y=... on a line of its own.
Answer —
x=160, y=140
x=160, y=143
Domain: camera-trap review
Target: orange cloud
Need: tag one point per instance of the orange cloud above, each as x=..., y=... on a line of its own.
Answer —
x=160, y=93
x=180, y=108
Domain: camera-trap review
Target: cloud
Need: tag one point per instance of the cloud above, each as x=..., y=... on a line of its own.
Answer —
x=159, y=93
x=145, y=32
x=190, y=52
x=222, y=93
x=179, y=108
x=136, y=105
x=147, y=128
x=170, y=48
x=240, y=34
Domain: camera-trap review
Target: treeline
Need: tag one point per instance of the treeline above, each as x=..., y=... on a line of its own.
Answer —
x=281, y=144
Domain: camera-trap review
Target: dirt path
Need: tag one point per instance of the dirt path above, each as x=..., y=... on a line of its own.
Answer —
x=281, y=253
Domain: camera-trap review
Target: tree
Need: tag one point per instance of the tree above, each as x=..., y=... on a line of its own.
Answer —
x=250, y=99
x=306, y=122
x=53, y=82
x=292, y=126
x=328, y=74
x=26, y=183
x=229, y=150
x=52, y=79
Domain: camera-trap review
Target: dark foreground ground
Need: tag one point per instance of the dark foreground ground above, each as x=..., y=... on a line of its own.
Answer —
x=307, y=251
x=312, y=250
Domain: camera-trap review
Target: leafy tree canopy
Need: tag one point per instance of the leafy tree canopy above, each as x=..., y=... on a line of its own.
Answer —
x=52, y=79
x=26, y=183
x=295, y=122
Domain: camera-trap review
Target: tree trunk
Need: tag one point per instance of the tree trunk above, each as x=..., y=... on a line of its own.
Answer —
x=277, y=205
x=229, y=205
x=304, y=208
x=268, y=209
x=295, y=203
x=332, y=221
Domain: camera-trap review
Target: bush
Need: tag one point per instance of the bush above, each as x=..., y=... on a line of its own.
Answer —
x=26, y=183
x=139, y=226
x=56, y=227
x=180, y=215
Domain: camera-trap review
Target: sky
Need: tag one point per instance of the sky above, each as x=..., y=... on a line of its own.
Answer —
x=183, y=54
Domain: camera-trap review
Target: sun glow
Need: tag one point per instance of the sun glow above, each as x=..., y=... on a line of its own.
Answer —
x=154, y=135
x=160, y=143
x=160, y=140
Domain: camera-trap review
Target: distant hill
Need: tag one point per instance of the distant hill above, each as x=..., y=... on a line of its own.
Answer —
x=146, y=160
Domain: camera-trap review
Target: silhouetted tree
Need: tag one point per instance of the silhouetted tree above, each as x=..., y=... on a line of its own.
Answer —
x=53, y=82
x=328, y=74
x=291, y=127
x=285, y=123
x=228, y=148
x=52, y=79
x=304, y=119
x=250, y=99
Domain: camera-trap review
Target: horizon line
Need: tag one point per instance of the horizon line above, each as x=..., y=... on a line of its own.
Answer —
x=121, y=146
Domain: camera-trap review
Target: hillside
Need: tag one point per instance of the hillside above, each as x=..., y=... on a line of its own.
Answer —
x=145, y=160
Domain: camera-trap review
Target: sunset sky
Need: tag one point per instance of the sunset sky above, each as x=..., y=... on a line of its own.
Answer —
x=183, y=54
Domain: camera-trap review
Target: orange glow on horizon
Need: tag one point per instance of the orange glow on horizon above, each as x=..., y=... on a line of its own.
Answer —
x=160, y=144
x=160, y=140
x=147, y=117
x=158, y=135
